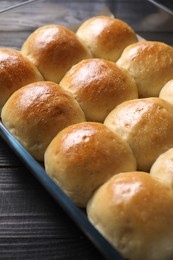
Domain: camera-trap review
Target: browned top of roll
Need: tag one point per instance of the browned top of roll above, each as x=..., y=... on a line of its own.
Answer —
x=99, y=86
x=37, y=112
x=134, y=212
x=54, y=49
x=83, y=156
x=147, y=125
x=151, y=65
x=106, y=37
x=15, y=71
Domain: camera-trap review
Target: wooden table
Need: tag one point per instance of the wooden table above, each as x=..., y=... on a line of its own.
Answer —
x=32, y=225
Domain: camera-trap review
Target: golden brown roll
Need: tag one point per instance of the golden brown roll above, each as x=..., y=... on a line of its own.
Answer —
x=134, y=212
x=106, y=37
x=15, y=71
x=35, y=113
x=85, y=155
x=99, y=86
x=167, y=91
x=151, y=65
x=54, y=49
x=147, y=125
x=162, y=169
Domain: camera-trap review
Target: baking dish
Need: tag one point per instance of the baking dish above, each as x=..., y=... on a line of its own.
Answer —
x=60, y=12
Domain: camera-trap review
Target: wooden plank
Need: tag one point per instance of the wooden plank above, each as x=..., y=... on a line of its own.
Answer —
x=34, y=249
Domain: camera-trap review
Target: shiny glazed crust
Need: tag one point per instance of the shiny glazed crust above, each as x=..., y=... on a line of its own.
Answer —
x=83, y=156
x=106, y=37
x=134, y=212
x=54, y=49
x=151, y=65
x=147, y=125
x=15, y=72
x=35, y=113
x=99, y=86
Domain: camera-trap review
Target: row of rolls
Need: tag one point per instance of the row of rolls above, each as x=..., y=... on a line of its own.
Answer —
x=95, y=106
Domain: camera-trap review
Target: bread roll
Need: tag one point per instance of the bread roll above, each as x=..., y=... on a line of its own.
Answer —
x=147, y=125
x=99, y=86
x=134, y=212
x=167, y=91
x=54, y=49
x=162, y=169
x=15, y=71
x=106, y=37
x=83, y=156
x=151, y=65
x=35, y=113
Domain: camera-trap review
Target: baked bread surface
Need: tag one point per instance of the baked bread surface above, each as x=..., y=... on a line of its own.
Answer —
x=106, y=37
x=147, y=125
x=83, y=156
x=35, y=113
x=15, y=72
x=162, y=168
x=134, y=212
x=99, y=86
x=151, y=65
x=166, y=92
x=54, y=49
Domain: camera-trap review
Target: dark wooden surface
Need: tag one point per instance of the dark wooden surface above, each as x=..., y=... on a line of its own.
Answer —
x=32, y=225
